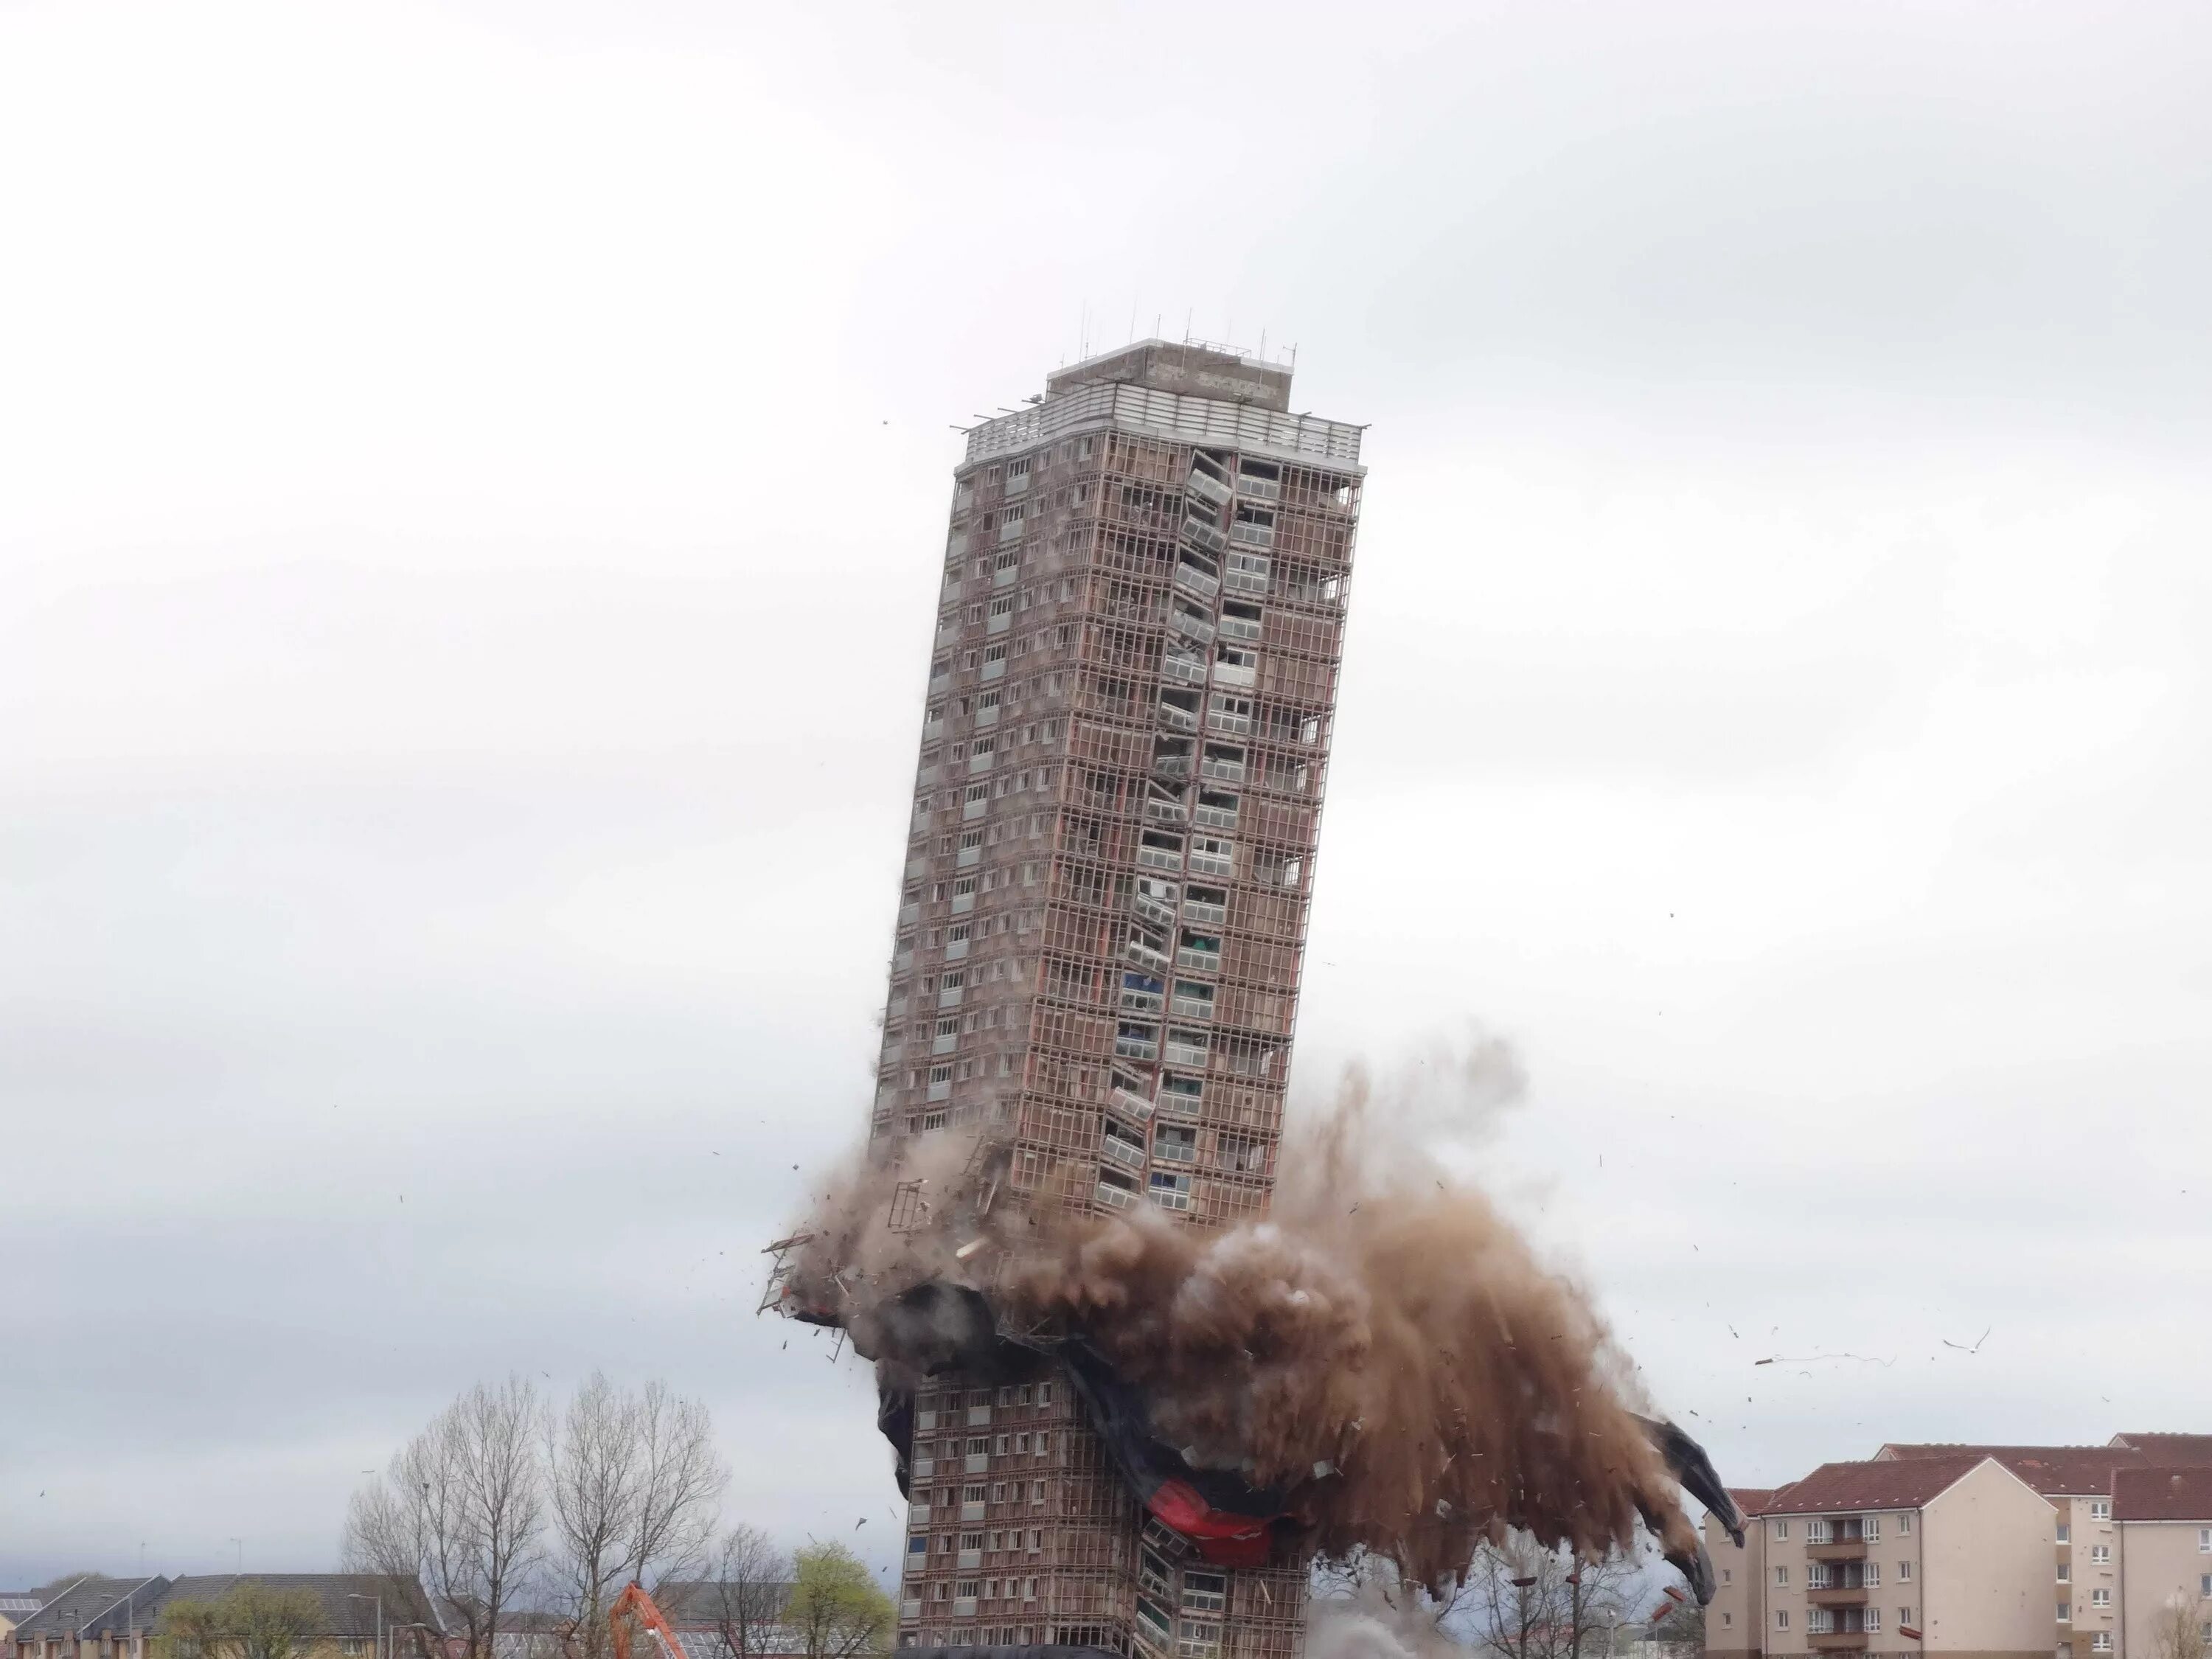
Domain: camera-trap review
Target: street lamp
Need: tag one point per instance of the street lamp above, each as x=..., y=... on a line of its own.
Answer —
x=379, y=1648
x=417, y=1625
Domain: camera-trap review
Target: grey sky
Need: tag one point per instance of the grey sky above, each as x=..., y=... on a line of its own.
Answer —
x=1778, y=632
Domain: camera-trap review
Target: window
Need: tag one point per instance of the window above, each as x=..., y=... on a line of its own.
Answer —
x=2204, y=1586
x=1905, y=1573
x=1872, y=1533
x=2204, y=1540
x=2065, y=1533
x=2101, y=1509
x=1205, y=1591
x=1904, y=1526
x=1905, y=1615
x=1873, y=1617
x=917, y=1546
x=2101, y=1642
x=2100, y=1554
x=2065, y=1613
x=1728, y=1576
x=1728, y=1621
x=1782, y=1530
x=1782, y=1619
x=2100, y=1598
x=1873, y=1575
x=1782, y=1575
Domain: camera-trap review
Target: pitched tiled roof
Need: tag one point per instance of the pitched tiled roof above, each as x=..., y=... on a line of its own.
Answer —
x=1753, y=1500
x=78, y=1605
x=2169, y=1451
x=2054, y=1471
x=2162, y=1495
x=1904, y=1483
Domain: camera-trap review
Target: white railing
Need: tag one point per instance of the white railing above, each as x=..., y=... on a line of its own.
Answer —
x=1205, y=420
x=1114, y=1198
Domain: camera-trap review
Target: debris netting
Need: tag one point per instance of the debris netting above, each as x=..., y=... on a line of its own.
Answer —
x=1379, y=1364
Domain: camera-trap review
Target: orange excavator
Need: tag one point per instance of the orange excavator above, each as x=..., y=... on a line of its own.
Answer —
x=635, y=1604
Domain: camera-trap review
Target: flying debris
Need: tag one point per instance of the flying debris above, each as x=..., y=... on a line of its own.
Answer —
x=1398, y=1376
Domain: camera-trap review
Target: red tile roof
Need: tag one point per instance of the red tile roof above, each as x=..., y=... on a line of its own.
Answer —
x=2054, y=1471
x=1753, y=1500
x=2170, y=1451
x=2162, y=1495
x=1904, y=1483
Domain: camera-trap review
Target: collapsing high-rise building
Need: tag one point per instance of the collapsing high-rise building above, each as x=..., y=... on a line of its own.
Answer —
x=1103, y=919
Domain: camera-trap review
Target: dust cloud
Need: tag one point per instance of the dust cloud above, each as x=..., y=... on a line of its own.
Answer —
x=1383, y=1347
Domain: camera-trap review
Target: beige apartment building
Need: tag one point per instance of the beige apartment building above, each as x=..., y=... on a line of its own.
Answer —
x=1940, y=1554
x=2118, y=1538
x=2164, y=1518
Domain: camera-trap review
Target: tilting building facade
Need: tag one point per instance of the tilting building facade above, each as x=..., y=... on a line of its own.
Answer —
x=1100, y=935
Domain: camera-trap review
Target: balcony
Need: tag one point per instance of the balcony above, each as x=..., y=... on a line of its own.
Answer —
x=1176, y=1151
x=1189, y=578
x=1222, y=771
x=956, y=950
x=1134, y=1107
x=1114, y=1198
x=1137, y=952
x=945, y=1045
x=1202, y=534
x=1140, y=1002
x=1237, y=674
x=1190, y=624
x=1841, y=1641
x=925, y=1469
x=1131, y=1047
x=1234, y=626
x=1215, y=817
x=981, y=761
x=1211, y=864
x=1197, y=910
x=1189, y=670
x=1004, y=575
x=1187, y=1053
x=999, y=622
x=978, y=1416
x=1254, y=487
x=910, y=1610
x=964, y=1606
x=1171, y=766
x=968, y=856
x=962, y=903
x=1154, y=910
x=968, y=1558
x=941, y=1091
x=918, y=1514
x=988, y=716
x=1206, y=487
x=1010, y=531
x=1198, y=962
x=1177, y=720
x=1839, y=1549
x=1836, y=1596
x=1122, y=1152
x=1160, y=858
x=971, y=1512
x=1195, y=1008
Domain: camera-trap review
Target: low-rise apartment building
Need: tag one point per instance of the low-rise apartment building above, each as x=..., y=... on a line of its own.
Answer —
x=2100, y=1545
x=2165, y=1523
x=102, y=1618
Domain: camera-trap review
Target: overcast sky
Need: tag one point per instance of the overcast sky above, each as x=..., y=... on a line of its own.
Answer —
x=471, y=486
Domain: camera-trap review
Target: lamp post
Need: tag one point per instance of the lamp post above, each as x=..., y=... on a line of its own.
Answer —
x=417, y=1625
x=379, y=1648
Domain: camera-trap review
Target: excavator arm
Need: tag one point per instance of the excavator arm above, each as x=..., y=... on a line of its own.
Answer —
x=634, y=1603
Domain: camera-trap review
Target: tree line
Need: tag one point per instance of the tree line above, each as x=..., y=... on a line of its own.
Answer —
x=515, y=1512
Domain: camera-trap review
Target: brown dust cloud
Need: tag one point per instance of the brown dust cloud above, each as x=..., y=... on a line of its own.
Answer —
x=1382, y=1347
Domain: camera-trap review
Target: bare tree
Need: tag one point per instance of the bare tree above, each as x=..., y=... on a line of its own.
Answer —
x=632, y=1479
x=461, y=1508
x=2180, y=1630
x=746, y=1596
x=1521, y=1600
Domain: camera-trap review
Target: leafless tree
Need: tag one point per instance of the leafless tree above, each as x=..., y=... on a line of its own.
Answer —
x=2179, y=1631
x=746, y=1596
x=1521, y=1601
x=633, y=1480
x=461, y=1508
